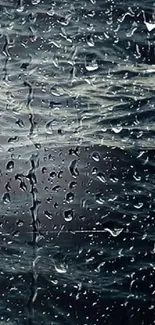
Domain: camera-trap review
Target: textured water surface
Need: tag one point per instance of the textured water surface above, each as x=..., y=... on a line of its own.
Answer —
x=77, y=162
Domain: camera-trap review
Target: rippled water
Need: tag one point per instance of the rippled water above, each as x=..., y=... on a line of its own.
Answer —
x=77, y=167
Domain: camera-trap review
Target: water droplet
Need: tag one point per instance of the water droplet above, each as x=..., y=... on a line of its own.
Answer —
x=90, y=41
x=44, y=170
x=56, y=188
x=10, y=166
x=117, y=129
x=91, y=66
x=101, y=177
x=115, y=232
x=96, y=156
x=99, y=198
x=60, y=173
x=52, y=174
x=50, y=12
x=72, y=185
x=20, y=123
x=113, y=178
x=69, y=197
x=20, y=223
x=139, y=205
x=68, y=215
x=35, y=2
x=62, y=268
x=13, y=139
x=94, y=171
x=137, y=178
x=6, y=198
x=98, y=269
x=73, y=168
x=48, y=215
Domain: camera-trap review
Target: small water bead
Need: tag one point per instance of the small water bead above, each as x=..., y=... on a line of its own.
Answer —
x=13, y=139
x=91, y=65
x=68, y=215
x=6, y=198
x=48, y=215
x=61, y=268
x=94, y=171
x=96, y=156
x=114, y=232
x=10, y=166
x=113, y=178
x=52, y=174
x=101, y=177
x=99, y=198
x=60, y=174
x=72, y=185
x=117, y=129
x=69, y=197
x=20, y=223
x=35, y=2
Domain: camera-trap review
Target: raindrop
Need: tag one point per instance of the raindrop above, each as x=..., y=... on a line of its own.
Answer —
x=113, y=178
x=99, y=267
x=115, y=232
x=49, y=126
x=62, y=268
x=23, y=186
x=94, y=171
x=44, y=170
x=73, y=168
x=52, y=174
x=6, y=198
x=99, y=198
x=139, y=205
x=48, y=215
x=90, y=41
x=56, y=188
x=20, y=223
x=68, y=215
x=72, y=185
x=10, y=166
x=96, y=156
x=117, y=129
x=60, y=174
x=35, y=2
x=91, y=65
x=101, y=177
x=13, y=139
x=137, y=178
x=69, y=197
x=20, y=123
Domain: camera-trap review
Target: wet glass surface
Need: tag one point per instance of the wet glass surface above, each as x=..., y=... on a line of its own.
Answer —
x=77, y=170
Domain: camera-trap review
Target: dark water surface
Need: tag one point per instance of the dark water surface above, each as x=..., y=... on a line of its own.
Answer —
x=77, y=162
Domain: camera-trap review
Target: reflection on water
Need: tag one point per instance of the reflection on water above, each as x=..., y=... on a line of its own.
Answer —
x=77, y=162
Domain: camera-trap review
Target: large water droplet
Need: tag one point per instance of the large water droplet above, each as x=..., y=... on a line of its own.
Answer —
x=73, y=168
